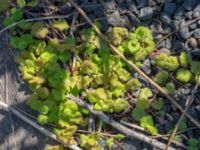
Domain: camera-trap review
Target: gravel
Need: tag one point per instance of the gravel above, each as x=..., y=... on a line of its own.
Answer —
x=192, y=42
x=189, y=4
x=170, y=8
x=197, y=33
x=146, y=13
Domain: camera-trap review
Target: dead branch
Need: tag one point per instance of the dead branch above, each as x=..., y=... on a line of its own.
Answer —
x=128, y=132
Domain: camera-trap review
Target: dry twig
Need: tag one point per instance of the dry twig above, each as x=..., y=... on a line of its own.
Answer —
x=36, y=126
x=114, y=49
x=128, y=132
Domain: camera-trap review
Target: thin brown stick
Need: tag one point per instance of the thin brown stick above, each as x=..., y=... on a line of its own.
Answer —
x=190, y=101
x=185, y=25
x=128, y=132
x=164, y=137
x=36, y=126
x=114, y=49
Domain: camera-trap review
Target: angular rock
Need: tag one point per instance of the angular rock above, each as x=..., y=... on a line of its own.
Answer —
x=189, y=4
x=133, y=19
x=170, y=8
x=188, y=15
x=132, y=8
x=192, y=26
x=110, y=6
x=142, y=3
x=157, y=36
x=184, y=33
x=197, y=33
x=168, y=43
x=165, y=18
x=146, y=13
x=178, y=45
x=179, y=13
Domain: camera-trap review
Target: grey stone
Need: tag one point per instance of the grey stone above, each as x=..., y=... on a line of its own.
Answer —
x=196, y=14
x=162, y=44
x=188, y=15
x=157, y=36
x=146, y=13
x=178, y=45
x=116, y=19
x=132, y=8
x=133, y=19
x=170, y=8
x=197, y=108
x=165, y=50
x=179, y=13
x=165, y=18
x=98, y=10
x=168, y=43
x=142, y=3
x=166, y=29
x=189, y=4
x=197, y=33
x=184, y=33
x=198, y=22
x=110, y=6
x=192, y=26
x=175, y=24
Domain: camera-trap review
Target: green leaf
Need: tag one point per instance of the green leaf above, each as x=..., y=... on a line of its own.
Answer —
x=195, y=67
x=192, y=142
x=39, y=30
x=64, y=56
x=138, y=113
x=161, y=77
x=110, y=142
x=184, y=59
x=142, y=103
x=119, y=136
x=145, y=93
x=32, y=3
x=21, y=3
x=61, y=24
x=147, y=123
x=158, y=104
x=183, y=75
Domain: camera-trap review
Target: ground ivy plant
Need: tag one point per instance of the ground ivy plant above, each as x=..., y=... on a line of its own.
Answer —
x=55, y=66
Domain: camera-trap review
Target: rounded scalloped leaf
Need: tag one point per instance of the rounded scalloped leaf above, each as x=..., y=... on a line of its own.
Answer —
x=39, y=30
x=183, y=75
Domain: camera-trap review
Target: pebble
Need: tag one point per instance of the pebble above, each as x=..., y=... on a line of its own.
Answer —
x=196, y=14
x=197, y=108
x=192, y=26
x=179, y=13
x=192, y=42
x=146, y=13
x=184, y=33
x=165, y=50
x=116, y=19
x=188, y=15
x=110, y=6
x=98, y=11
x=197, y=33
x=132, y=145
x=133, y=19
x=198, y=22
x=168, y=43
x=170, y=8
x=161, y=45
x=178, y=45
x=189, y=4
x=142, y=3
x=157, y=36
x=165, y=18
x=175, y=24
x=132, y=8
